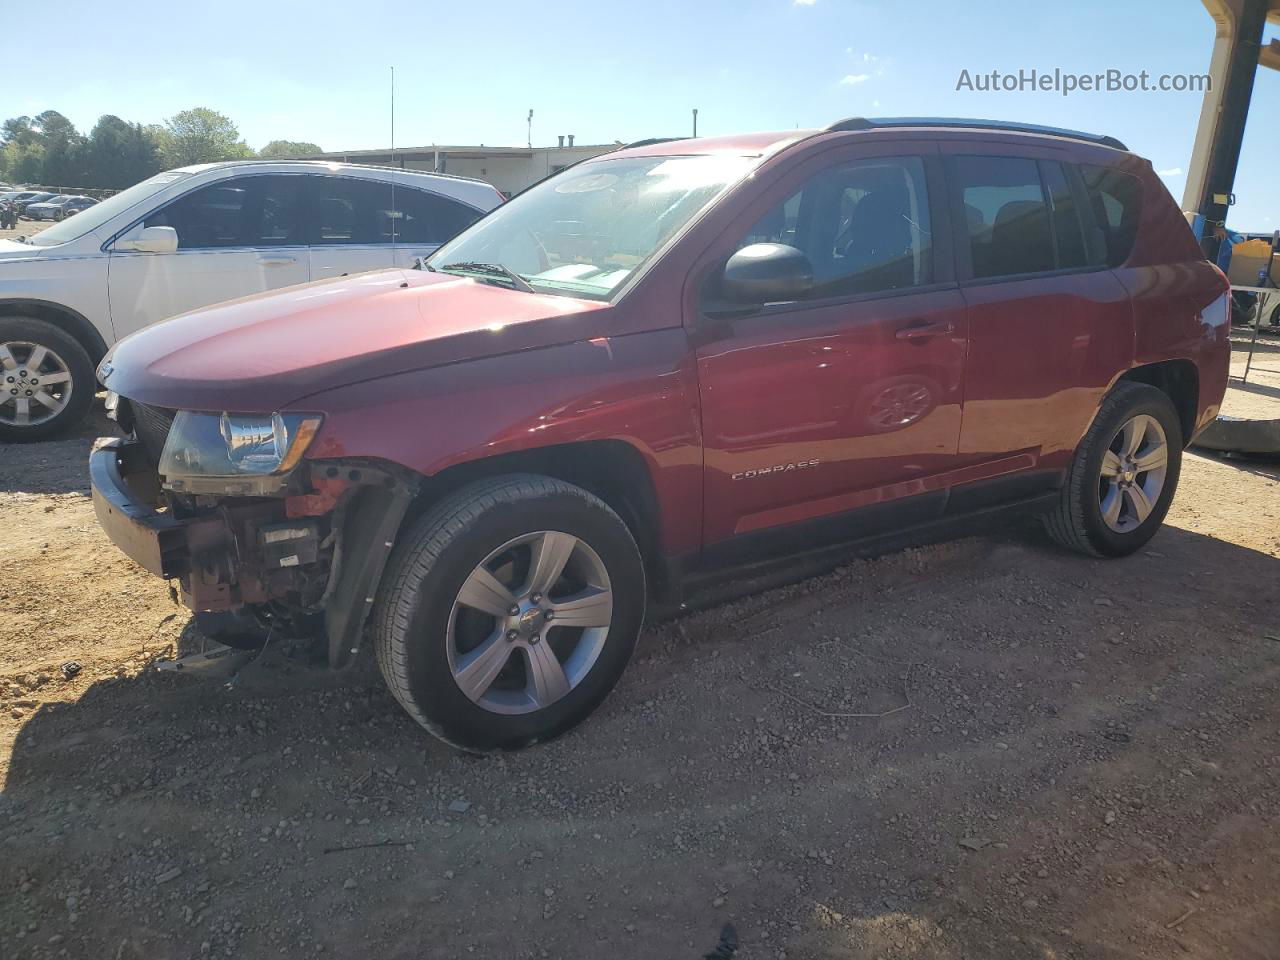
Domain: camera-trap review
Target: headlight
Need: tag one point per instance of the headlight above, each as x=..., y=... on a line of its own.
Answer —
x=235, y=445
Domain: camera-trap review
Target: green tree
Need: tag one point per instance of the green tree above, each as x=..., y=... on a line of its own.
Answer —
x=54, y=126
x=285, y=149
x=18, y=130
x=201, y=135
x=63, y=150
x=119, y=154
x=21, y=163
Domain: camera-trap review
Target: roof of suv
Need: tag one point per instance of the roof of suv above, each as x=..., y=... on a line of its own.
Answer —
x=477, y=193
x=764, y=143
x=328, y=165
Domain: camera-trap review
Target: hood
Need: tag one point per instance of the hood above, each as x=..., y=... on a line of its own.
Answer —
x=13, y=250
x=266, y=352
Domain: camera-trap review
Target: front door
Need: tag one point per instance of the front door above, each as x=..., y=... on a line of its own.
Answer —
x=236, y=237
x=851, y=397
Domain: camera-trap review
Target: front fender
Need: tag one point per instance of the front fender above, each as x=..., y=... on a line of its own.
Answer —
x=639, y=389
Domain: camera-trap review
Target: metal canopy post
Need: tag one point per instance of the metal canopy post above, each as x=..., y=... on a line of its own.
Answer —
x=1237, y=50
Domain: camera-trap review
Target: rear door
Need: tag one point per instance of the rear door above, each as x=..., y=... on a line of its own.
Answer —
x=236, y=236
x=1049, y=324
x=351, y=226
x=424, y=220
x=359, y=225
x=850, y=397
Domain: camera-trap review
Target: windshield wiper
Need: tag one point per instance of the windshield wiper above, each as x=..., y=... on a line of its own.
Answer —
x=489, y=270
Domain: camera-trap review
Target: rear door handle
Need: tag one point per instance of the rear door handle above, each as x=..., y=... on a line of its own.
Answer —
x=275, y=260
x=919, y=332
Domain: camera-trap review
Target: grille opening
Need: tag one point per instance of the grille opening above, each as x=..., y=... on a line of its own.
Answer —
x=151, y=424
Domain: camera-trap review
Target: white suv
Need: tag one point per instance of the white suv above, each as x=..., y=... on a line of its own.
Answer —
x=191, y=237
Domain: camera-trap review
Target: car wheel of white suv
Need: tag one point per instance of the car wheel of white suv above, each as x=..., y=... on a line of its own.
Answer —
x=46, y=379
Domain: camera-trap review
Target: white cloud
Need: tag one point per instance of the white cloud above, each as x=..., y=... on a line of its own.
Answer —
x=804, y=3
x=854, y=79
x=875, y=103
x=1170, y=172
x=869, y=58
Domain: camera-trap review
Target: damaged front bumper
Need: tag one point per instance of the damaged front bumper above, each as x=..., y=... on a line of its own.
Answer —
x=318, y=548
x=123, y=485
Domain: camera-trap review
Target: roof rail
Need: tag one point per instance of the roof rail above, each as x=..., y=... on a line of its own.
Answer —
x=876, y=123
x=649, y=142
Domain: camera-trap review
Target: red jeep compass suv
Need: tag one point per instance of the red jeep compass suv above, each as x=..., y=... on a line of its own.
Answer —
x=658, y=366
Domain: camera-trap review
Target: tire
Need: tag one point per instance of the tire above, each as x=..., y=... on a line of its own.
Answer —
x=425, y=633
x=1086, y=518
x=63, y=357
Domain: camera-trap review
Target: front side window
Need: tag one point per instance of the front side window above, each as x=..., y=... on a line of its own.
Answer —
x=240, y=212
x=585, y=231
x=864, y=226
x=75, y=228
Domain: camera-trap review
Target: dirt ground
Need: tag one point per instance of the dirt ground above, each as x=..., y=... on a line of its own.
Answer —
x=25, y=228
x=983, y=749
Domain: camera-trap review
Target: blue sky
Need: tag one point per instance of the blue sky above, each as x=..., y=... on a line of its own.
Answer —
x=606, y=70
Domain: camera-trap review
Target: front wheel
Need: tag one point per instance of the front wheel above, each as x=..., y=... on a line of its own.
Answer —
x=46, y=379
x=1123, y=476
x=509, y=611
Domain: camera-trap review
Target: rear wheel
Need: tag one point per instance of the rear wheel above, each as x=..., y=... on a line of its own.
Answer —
x=46, y=379
x=1123, y=476
x=509, y=612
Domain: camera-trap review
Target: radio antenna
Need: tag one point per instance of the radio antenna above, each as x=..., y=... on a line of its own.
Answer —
x=395, y=225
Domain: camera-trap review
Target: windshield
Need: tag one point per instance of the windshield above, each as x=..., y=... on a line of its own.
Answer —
x=99, y=213
x=584, y=232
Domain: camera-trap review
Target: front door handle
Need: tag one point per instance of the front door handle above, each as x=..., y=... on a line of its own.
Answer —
x=275, y=260
x=920, y=332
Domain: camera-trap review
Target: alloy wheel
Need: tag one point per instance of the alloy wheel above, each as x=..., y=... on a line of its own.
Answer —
x=1132, y=476
x=35, y=384
x=529, y=622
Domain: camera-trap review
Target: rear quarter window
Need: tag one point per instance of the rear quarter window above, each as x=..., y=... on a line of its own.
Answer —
x=1116, y=201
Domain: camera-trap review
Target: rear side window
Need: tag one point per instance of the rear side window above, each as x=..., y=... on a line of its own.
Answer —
x=1116, y=199
x=1006, y=215
x=240, y=212
x=428, y=217
x=1068, y=233
x=1020, y=215
x=349, y=212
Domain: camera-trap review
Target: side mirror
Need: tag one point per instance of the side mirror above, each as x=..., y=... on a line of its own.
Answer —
x=150, y=240
x=767, y=273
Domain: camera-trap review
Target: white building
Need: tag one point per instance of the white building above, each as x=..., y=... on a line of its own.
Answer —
x=510, y=169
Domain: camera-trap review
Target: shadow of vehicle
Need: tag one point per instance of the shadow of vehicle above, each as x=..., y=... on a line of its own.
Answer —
x=57, y=466
x=978, y=749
